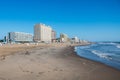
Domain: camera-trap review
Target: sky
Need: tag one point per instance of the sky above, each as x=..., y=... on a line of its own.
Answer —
x=93, y=20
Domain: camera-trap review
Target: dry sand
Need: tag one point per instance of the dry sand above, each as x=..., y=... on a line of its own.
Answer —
x=57, y=62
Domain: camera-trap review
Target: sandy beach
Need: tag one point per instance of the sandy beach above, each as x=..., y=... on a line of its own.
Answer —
x=50, y=62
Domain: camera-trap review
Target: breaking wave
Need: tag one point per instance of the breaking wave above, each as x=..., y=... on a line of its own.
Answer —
x=102, y=55
x=107, y=53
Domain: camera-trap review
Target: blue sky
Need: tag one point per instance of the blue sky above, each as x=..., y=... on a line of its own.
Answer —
x=94, y=20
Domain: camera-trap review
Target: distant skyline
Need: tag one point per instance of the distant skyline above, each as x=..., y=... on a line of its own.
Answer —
x=93, y=20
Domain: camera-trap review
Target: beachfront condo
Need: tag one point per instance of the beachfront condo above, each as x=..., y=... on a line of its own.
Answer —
x=53, y=36
x=64, y=38
x=42, y=33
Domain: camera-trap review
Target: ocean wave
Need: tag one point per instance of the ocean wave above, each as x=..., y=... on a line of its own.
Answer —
x=118, y=46
x=102, y=55
x=107, y=43
x=113, y=44
x=75, y=49
x=108, y=53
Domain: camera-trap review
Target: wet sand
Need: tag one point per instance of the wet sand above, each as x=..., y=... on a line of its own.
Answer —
x=53, y=63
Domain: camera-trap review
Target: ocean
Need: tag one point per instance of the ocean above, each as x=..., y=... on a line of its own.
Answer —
x=105, y=52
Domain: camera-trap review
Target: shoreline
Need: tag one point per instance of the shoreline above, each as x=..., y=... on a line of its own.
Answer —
x=54, y=63
x=95, y=61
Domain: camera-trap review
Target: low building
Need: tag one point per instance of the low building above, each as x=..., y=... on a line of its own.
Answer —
x=19, y=37
x=5, y=40
x=75, y=40
x=57, y=40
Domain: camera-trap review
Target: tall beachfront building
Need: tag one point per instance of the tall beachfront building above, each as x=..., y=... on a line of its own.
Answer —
x=64, y=38
x=19, y=37
x=53, y=36
x=42, y=33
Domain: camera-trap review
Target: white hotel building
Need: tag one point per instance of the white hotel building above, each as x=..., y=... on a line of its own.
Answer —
x=42, y=33
x=19, y=37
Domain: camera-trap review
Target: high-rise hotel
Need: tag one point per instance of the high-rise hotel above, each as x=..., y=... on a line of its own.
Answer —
x=42, y=33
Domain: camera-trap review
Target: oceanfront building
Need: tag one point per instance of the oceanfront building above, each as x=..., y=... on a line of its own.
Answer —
x=53, y=36
x=75, y=40
x=18, y=37
x=64, y=38
x=42, y=33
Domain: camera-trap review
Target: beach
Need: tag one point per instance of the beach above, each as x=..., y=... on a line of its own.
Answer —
x=50, y=62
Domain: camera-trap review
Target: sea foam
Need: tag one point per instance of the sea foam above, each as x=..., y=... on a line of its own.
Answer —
x=118, y=46
x=101, y=54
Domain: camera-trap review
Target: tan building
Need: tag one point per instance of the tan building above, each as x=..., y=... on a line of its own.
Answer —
x=42, y=33
x=53, y=36
x=64, y=38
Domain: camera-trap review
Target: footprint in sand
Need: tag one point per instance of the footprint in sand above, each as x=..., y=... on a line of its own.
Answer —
x=40, y=73
x=27, y=53
x=2, y=57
